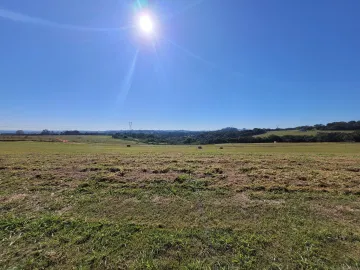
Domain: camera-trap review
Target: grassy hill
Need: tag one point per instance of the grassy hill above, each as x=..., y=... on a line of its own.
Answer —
x=299, y=132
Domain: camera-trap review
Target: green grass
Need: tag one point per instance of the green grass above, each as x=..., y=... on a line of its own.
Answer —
x=66, y=138
x=97, y=205
x=21, y=147
x=92, y=139
x=299, y=132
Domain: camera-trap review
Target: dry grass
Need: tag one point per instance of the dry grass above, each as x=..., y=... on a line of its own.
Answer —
x=244, y=207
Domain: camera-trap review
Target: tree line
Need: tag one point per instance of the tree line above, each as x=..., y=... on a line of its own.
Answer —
x=233, y=135
x=227, y=135
x=66, y=132
x=352, y=125
x=217, y=137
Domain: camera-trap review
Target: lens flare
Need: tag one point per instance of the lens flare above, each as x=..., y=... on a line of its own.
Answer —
x=146, y=24
x=128, y=80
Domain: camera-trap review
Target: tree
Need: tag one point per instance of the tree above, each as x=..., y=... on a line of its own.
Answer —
x=45, y=132
x=319, y=126
x=71, y=132
x=356, y=136
x=20, y=132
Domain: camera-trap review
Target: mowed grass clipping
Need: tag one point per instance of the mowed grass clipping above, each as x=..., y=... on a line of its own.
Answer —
x=105, y=206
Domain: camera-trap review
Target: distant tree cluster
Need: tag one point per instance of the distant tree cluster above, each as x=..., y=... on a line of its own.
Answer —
x=227, y=135
x=233, y=135
x=48, y=132
x=218, y=137
x=67, y=132
x=183, y=137
x=352, y=125
x=319, y=137
x=71, y=132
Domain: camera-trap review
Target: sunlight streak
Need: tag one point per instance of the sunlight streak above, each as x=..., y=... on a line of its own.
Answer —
x=18, y=17
x=208, y=63
x=126, y=85
x=189, y=53
x=159, y=69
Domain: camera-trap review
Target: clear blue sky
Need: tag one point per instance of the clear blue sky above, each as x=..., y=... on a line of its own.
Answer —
x=66, y=64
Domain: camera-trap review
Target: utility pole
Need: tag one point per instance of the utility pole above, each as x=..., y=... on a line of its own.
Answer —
x=130, y=127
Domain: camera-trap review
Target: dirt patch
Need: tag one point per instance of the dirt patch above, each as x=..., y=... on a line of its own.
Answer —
x=241, y=198
x=238, y=199
x=131, y=200
x=16, y=197
x=339, y=212
x=64, y=210
x=274, y=202
x=162, y=200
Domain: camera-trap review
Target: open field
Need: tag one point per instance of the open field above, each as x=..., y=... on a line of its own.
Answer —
x=68, y=138
x=102, y=205
x=299, y=132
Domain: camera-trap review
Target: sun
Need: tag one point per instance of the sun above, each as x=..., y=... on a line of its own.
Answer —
x=146, y=24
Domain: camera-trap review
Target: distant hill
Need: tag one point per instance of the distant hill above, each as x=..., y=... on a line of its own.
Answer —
x=350, y=132
x=335, y=131
x=297, y=132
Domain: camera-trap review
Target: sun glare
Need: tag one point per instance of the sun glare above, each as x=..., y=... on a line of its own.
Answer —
x=146, y=24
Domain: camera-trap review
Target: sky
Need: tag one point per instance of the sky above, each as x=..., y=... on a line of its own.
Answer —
x=209, y=64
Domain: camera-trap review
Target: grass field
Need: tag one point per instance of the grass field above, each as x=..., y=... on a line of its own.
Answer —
x=299, y=132
x=102, y=205
x=67, y=138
